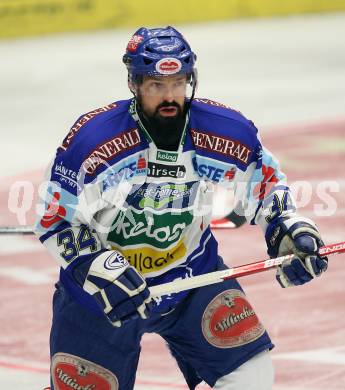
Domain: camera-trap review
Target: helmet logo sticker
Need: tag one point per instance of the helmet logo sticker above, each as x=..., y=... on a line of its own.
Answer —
x=168, y=66
x=134, y=43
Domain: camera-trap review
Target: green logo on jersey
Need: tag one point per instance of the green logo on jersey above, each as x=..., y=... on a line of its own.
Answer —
x=166, y=156
x=160, y=231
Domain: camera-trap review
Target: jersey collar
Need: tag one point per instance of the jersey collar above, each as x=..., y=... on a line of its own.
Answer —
x=134, y=113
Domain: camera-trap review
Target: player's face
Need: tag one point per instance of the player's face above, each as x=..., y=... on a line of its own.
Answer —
x=163, y=96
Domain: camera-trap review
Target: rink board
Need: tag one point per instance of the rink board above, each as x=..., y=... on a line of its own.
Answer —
x=37, y=17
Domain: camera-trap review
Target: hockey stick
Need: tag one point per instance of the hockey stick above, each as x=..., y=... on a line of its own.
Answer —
x=210, y=278
x=230, y=221
x=235, y=272
x=16, y=230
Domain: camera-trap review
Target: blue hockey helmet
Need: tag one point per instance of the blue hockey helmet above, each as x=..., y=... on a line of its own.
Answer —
x=159, y=52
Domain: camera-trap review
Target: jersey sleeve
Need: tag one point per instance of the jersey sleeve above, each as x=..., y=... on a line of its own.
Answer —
x=66, y=209
x=264, y=194
x=76, y=193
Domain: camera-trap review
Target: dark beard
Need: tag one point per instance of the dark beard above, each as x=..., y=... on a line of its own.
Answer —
x=166, y=132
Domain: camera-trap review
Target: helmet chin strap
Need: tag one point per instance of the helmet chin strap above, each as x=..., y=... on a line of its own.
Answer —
x=194, y=84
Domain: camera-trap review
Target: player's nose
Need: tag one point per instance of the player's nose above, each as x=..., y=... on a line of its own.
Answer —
x=168, y=95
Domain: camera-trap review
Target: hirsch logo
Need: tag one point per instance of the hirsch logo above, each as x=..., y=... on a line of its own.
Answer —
x=134, y=43
x=115, y=261
x=168, y=66
x=162, y=170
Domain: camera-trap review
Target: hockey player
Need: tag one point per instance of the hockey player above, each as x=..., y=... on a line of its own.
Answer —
x=128, y=206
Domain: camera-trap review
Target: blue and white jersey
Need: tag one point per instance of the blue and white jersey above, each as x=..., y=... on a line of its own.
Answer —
x=111, y=188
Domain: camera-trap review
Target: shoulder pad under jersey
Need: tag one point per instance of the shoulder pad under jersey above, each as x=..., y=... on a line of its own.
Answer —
x=222, y=133
x=99, y=139
x=88, y=121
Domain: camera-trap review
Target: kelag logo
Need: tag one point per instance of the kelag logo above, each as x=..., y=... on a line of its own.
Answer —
x=166, y=156
x=162, y=170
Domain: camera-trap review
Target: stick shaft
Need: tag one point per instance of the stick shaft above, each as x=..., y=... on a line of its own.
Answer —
x=235, y=272
x=16, y=230
x=206, y=279
x=230, y=221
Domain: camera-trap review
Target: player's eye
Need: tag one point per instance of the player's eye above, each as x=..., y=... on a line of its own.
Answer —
x=180, y=83
x=157, y=85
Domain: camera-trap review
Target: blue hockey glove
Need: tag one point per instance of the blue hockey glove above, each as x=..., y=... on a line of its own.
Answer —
x=118, y=288
x=299, y=236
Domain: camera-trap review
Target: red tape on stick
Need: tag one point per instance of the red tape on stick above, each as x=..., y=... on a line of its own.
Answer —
x=235, y=272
